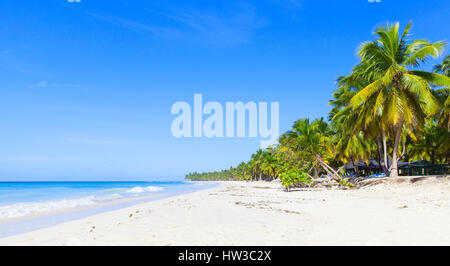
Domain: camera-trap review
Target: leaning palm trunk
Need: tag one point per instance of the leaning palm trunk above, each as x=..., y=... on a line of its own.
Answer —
x=330, y=171
x=382, y=156
x=386, y=162
x=316, y=172
x=395, y=93
x=394, y=167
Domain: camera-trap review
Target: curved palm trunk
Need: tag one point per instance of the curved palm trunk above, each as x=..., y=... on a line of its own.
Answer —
x=334, y=175
x=381, y=161
x=386, y=162
x=433, y=162
x=316, y=172
x=355, y=167
x=394, y=166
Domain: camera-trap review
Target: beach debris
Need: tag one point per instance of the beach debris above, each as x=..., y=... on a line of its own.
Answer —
x=262, y=187
x=263, y=205
x=289, y=211
x=360, y=182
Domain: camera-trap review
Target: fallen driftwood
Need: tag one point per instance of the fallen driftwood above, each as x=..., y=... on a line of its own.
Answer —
x=315, y=183
x=324, y=181
x=359, y=182
x=356, y=182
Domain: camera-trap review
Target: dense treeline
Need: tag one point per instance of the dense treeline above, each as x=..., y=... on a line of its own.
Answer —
x=387, y=109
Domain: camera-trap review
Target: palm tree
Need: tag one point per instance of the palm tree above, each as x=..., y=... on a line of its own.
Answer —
x=444, y=67
x=312, y=140
x=353, y=148
x=268, y=163
x=444, y=94
x=400, y=96
x=432, y=145
x=256, y=164
x=351, y=125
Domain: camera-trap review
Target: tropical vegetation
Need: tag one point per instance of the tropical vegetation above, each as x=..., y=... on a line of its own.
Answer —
x=388, y=108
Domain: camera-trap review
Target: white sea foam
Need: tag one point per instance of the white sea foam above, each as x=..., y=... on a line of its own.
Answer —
x=27, y=208
x=21, y=209
x=144, y=189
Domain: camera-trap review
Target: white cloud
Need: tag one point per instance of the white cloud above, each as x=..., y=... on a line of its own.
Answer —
x=34, y=159
x=98, y=141
x=41, y=84
x=230, y=26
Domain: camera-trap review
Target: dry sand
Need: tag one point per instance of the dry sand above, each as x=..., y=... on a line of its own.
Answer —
x=397, y=212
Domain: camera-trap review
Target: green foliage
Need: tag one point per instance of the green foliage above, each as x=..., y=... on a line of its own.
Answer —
x=294, y=177
x=387, y=105
x=345, y=183
x=393, y=97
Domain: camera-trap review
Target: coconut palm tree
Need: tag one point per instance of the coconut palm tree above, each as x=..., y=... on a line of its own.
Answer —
x=432, y=145
x=349, y=123
x=256, y=162
x=401, y=96
x=312, y=140
x=444, y=94
x=354, y=148
x=444, y=67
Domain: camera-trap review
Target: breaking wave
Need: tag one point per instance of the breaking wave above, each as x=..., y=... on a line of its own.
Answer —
x=144, y=189
x=21, y=209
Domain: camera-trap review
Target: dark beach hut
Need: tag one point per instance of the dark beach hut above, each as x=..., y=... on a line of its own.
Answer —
x=405, y=168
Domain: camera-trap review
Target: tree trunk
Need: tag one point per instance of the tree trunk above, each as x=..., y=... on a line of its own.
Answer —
x=394, y=167
x=355, y=167
x=380, y=156
x=316, y=172
x=334, y=175
x=386, y=162
x=433, y=162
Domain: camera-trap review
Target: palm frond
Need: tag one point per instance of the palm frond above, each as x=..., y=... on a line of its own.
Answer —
x=422, y=51
x=433, y=78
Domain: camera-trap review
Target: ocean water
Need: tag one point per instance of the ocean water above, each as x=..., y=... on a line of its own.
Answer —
x=27, y=206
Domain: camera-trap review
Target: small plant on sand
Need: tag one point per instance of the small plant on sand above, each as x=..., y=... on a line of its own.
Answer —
x=345, y=183
x=294, y=177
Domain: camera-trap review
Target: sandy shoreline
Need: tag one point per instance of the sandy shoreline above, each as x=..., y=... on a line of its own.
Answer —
x=260, y=213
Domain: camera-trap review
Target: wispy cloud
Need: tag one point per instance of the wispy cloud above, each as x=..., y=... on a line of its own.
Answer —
x=40, y=84
x=291, y=4
x=35, y=159
x=99, y=141
x=4, y=52
x=140, y=27
x=226, y=27
x=291, y=7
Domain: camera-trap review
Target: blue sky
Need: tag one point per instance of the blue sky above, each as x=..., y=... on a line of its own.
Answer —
x=86, y=87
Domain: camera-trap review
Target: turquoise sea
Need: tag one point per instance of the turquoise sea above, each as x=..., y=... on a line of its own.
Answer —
x=27, y=206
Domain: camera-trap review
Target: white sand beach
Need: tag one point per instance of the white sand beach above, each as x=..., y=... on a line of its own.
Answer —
x=397, y=212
